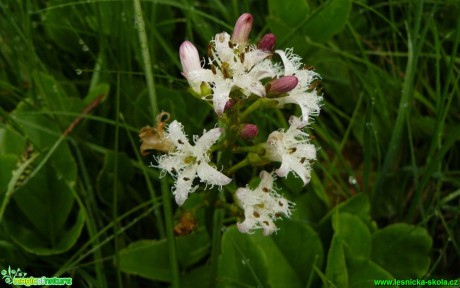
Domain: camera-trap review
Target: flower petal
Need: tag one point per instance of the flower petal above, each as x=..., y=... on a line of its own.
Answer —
x=184, y=184
x=211, y=176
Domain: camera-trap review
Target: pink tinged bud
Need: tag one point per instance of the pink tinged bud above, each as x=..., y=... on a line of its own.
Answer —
x=249, y=131
x=189, y=58
x=242, y=28
x=282, y=85
x=229, y=105
x=267, y=43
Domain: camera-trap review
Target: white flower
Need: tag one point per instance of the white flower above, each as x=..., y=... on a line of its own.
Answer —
x=233, y=68
x=188, y=161
x=302, y=95
x=261, y=206
x=293, y=149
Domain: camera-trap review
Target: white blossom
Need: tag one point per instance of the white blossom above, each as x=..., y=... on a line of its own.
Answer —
x=302, y=95
x=261, y=206
x=233, y=69
x=293, y=149
x=185, y=162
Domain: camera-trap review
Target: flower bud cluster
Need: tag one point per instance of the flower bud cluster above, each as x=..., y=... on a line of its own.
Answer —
x=238, y=78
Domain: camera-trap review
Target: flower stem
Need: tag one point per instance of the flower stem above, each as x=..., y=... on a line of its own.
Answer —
x=140, y=25
x=261, y=102
x=238, y=165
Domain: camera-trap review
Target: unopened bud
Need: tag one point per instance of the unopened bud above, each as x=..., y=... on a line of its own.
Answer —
x=229, y=105
x=267, y=43
x=242, y=28
x=282, y=85
x=189, y=58
x=249, y=131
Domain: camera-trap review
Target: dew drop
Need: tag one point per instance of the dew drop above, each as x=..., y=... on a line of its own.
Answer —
x=352, y=180
x=85, y=48
x=78, y=71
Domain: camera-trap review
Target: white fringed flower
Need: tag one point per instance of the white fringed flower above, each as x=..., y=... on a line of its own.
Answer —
x=261, y=206
x=187, y=161
x=302, y=95
x=293, y=149
x=232, y=68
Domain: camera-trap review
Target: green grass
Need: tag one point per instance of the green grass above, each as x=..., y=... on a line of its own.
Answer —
x=388, y=131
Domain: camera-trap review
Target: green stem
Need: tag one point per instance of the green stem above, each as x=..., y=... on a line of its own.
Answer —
x=115, y=190
x=140, y=24
x=169, y=233
x=216, y=237
x=254, y=149
x=239, y=165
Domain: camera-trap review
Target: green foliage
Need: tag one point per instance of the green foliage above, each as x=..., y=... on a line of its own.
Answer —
x=77, y=198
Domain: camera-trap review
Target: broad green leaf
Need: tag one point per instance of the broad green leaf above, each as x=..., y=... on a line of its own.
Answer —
x=198, y=277
x=362, y=272
x=148, y=259
x=302, y=252
x=11, y=142
x=43, y=134
x=357, y=205
x=354, y=233
x=192, y=248
x=309, y=208
x=336, y=267
x=288, y=260
x=402, y=249
x=242, y=262
x=327, y=20
x=34, y=241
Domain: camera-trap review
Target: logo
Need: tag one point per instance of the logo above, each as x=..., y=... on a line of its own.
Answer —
x=18, y=278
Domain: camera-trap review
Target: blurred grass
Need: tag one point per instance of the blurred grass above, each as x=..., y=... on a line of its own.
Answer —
x=389, y=127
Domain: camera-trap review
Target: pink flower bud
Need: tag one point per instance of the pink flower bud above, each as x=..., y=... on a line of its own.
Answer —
x=249, y=131
x=189, y=58
x=282, y=85
x=229, y=105
x=267, y=43
x=242, y=28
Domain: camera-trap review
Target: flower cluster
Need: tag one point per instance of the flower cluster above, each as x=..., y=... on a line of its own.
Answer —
x=239, y=78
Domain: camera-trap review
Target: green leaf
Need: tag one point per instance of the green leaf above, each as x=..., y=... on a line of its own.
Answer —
x=288, y=260
x=356, y=236
x=150, y=258
x=146, y=258
x=357, y=205
x=242, y=262
x=198, y=277
x=403, y=250
x=362, y=273
x=40, y=219
x=43, y=132
x=11, y=142
x=327, y=20
x=302, y=252
x=336, y=268
x=192, y=248
x=34, y=241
